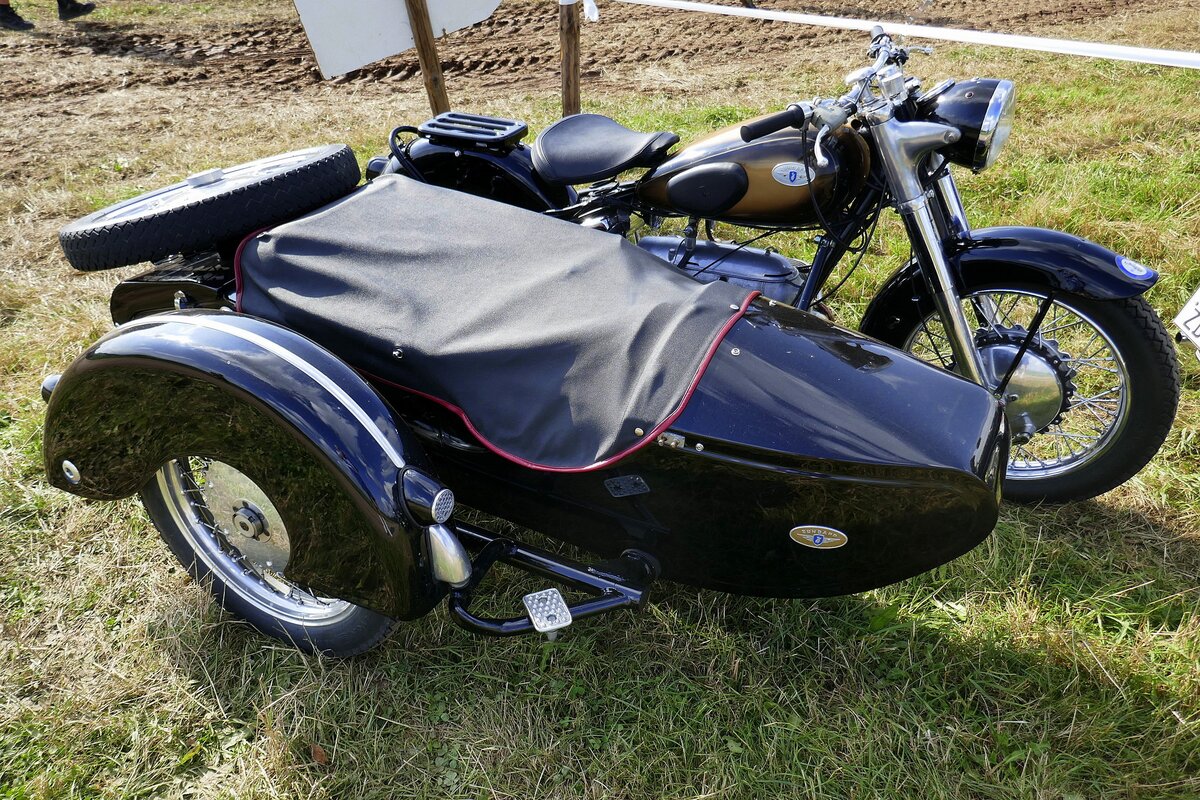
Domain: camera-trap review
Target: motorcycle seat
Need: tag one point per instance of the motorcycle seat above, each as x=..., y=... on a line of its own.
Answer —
x=590, y=147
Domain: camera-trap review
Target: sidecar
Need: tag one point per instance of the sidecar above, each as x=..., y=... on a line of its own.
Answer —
x=308, y=437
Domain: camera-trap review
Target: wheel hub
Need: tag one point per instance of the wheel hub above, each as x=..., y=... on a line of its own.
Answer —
x=247, y=519
x=1040, y=388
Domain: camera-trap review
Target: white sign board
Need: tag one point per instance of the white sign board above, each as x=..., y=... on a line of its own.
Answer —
x=350, y=34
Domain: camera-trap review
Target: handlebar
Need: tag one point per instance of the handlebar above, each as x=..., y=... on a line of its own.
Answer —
x=791, y=117
x=829, y=115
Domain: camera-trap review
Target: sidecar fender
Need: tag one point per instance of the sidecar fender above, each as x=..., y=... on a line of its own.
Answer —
x=1064, y=262
x=294, y=418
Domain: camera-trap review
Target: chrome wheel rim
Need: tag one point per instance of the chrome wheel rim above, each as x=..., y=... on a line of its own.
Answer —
x=1096, y=407
x=236, y=532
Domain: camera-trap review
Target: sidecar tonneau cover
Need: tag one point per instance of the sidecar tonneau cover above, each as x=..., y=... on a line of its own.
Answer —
x=562, y=348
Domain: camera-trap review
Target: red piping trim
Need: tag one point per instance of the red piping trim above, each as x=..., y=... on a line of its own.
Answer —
x=237, y=267
x=647, y=439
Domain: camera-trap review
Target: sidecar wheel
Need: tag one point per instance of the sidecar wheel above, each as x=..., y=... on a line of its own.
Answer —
x=210, y=208
x=1102, y=383
x=228, y=535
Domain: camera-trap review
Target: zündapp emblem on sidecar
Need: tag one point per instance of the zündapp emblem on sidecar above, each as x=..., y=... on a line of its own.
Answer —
x=818, y=536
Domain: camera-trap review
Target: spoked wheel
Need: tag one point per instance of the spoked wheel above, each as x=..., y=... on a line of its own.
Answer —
x=228, y=534
x=1092, y=399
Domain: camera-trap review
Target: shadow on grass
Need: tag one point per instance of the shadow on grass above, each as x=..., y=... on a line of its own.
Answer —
x=1005, y=674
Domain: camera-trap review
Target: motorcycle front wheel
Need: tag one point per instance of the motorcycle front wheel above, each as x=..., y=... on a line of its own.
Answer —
x=1097, y=388
x=228, y=535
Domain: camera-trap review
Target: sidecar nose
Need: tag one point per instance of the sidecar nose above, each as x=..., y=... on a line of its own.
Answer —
x=48, y=384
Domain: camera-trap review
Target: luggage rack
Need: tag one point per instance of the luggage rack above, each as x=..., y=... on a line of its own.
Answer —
x=201, y=280
x=454, y=127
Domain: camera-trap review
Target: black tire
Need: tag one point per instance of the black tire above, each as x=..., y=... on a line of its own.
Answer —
x=178, y=507
x=1147, y=357
x=195, y=215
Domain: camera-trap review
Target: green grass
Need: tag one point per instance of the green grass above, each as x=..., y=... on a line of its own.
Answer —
x=1060, y=659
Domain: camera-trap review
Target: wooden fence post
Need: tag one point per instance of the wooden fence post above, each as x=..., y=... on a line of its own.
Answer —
x=431, y=65
x=568, y=39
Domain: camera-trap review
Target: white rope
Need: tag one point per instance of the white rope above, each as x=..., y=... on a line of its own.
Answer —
x=1141, y=55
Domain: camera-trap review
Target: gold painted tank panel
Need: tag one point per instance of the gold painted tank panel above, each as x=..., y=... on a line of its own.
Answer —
x=768, y=202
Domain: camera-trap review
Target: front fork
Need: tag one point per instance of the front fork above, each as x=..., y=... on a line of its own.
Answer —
x=902, y=147
x=939, y=278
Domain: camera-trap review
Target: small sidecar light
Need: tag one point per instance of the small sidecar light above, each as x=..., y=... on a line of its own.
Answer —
x=449, y=559
x=443, y=506
x=48, y=386
x=429, y=502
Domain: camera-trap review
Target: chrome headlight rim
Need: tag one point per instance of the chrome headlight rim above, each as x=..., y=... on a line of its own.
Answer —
x=999, y=111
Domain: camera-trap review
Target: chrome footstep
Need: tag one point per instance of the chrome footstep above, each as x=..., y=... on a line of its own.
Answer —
x=547, y=611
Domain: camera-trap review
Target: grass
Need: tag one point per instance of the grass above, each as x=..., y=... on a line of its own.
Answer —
x=1060, y=659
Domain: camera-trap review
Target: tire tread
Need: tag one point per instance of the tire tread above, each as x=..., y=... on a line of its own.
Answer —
x=91, y=246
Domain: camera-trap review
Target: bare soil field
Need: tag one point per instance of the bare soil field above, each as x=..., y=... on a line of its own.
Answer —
x=516, y=47
x=116, y=69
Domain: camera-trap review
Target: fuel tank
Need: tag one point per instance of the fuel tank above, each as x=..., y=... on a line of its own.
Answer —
x=774, y=276
x=809, y=461
x=772, y=182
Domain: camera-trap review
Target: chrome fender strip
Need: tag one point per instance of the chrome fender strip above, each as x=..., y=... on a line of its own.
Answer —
x=296, y=361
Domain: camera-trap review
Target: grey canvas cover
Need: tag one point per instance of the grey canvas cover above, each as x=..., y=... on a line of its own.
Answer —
x=556, y=343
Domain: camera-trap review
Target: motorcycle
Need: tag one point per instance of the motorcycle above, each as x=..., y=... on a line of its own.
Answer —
x=315, y=374
x=1053, y=324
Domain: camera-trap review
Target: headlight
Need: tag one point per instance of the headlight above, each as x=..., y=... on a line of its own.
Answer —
x=983, y=110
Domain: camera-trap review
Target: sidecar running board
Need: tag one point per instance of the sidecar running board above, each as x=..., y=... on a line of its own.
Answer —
x=620, y=583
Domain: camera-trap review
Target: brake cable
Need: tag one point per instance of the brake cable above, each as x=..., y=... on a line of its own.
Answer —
x=861, y=252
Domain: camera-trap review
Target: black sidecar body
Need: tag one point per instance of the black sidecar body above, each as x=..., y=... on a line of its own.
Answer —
x=407, y=338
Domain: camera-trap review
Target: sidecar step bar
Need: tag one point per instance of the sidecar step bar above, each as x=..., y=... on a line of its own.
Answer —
x=619, y=583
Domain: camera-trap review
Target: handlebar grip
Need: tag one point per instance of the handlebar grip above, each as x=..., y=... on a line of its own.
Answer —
x=792, y=116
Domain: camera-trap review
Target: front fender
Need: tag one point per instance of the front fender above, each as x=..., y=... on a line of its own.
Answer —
x=1061, y=261
x=281, y=409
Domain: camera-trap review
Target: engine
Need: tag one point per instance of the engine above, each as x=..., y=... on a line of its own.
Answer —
x=778, y=278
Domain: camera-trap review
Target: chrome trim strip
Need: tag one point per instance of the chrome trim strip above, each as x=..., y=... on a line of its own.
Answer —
x=308, y=369
x=1117, y=52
